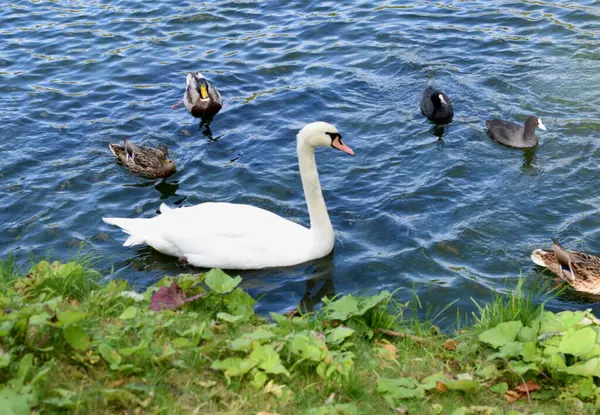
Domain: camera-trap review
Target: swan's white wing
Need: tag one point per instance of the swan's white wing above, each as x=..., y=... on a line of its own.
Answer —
x=222, y=235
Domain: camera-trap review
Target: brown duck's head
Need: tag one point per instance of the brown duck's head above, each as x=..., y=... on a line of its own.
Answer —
x=168, y=164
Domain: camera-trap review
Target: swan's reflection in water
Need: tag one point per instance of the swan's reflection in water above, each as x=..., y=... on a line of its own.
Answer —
x=280, y=287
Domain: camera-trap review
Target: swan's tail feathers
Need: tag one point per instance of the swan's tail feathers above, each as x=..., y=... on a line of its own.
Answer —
x=164, y=208
x=132, y=227
x=537, y=257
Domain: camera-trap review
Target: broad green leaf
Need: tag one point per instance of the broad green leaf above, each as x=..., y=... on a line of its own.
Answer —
x=183, y=343
x=337, y=409
x=129, y=313
x=490, y=372
x=69, y=317
x=500, y=388
x=589, y=368
x=39, y=319
x=342, y=309
x=522, y=368
x=394, y=390
x=571, y=318
x=338, y=334
x=527, y=334
x=578, y=342
x=587, y=388
x=594, y=352
x=550, y=323
x=128, y=351
x=234, y=366
x=367, y=303
x=502, y=334
x=530, y=352
x=308, y=345
x=259, y=380
x=76, y=337
x=4, y=359
x=429, y=382
x=239, y=302
x=13, y=403
x=269, y=359
x=244, y=342
x=25, y=366
x=228, y=317
x=109, y=354
x=220, y=282
x=462, y=385
x=511, y=349
x=556, y=361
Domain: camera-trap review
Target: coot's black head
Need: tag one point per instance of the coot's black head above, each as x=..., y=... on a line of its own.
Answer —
x=438, y=100
x=534, y=122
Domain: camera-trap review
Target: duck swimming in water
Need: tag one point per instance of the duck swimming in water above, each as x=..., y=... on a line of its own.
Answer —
x=580, y=270
x=146, y=161
x=201, y=98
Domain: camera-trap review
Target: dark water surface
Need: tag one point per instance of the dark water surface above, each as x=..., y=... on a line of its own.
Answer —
x=452, y=218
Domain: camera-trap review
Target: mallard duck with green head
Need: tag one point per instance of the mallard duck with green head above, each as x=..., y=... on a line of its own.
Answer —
x=201, y=98
x=146, y=161
x=578, y=269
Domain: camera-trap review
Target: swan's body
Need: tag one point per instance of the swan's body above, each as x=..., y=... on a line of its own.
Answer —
x=201, y=98
x=578, y=269
x=235, y=236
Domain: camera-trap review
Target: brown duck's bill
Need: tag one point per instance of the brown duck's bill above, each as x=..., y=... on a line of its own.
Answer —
x=339, y=144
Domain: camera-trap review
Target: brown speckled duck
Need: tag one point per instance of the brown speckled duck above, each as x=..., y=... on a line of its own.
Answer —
x=201, y=98
x=147, y=162
x=580, y=270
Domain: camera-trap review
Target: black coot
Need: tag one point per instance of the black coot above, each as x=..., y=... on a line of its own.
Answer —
x=436, y=106
x=515, y=135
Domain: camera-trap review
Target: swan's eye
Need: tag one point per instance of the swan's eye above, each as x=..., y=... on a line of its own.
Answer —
x=334, y=136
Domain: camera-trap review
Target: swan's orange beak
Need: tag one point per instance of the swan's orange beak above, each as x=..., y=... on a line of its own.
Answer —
x=339, y=144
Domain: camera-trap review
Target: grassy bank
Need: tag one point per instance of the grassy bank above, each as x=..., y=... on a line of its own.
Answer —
x=193, y=344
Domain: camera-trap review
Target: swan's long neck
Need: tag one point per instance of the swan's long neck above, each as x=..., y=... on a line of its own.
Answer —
x=320, y=225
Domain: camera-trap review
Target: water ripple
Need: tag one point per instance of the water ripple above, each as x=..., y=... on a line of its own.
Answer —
x=452, y=218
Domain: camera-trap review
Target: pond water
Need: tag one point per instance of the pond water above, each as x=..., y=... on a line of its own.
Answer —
x=450, y=218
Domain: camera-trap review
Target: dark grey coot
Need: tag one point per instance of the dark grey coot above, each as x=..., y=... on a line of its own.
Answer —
x=515, y=135
x=436, y=106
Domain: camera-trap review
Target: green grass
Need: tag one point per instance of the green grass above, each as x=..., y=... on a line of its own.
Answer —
x=69, y=344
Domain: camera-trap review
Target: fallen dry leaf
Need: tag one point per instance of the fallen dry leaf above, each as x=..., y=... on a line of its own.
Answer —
x=409, y=336
x=329, y=400
x=292, y=313
x=440, y=387
x=389, y=351
x=402, y=410
x=450, y=344
x=521, y=391
x=529, y=386
x=512, y=396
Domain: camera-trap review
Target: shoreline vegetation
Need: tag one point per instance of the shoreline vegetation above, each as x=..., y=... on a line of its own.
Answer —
x=192, y=344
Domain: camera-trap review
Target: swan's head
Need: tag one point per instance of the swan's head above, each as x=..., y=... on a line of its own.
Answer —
x=197, y=84
x=322, y=134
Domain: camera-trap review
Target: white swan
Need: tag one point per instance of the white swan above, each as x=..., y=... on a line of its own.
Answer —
x=235, y=236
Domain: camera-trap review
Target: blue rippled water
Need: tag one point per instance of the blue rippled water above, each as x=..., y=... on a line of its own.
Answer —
x=451, y=218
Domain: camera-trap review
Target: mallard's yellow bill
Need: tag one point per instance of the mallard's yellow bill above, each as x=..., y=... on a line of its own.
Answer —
x=203, y=91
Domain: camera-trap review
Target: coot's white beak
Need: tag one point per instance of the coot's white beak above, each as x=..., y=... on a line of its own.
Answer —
x=443, y=101
x=541, y=125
